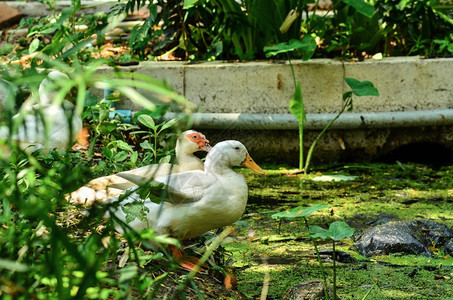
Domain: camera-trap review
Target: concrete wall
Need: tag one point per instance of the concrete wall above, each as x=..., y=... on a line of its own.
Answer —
x=406, y=84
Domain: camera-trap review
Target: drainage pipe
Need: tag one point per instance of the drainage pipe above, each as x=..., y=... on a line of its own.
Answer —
x=319, y=121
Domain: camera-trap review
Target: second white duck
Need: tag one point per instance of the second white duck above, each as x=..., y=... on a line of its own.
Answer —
x=106, y=187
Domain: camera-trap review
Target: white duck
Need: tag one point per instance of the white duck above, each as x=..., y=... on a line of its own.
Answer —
x=31, y=135
x=199, y=201
x=103, y=188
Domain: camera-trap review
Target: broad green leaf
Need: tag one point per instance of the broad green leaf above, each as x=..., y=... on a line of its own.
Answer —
x=296, y=105
x=362, y=7
x=337, y=231
x=147, y=121
x=34, y=45
x=306, y=46
x=362, y=88
x=298, y=212
x=319, y=232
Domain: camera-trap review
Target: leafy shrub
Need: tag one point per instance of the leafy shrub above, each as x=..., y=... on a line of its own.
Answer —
x=211, y=29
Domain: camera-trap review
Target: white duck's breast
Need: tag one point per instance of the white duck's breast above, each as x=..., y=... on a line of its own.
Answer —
x=221, y=205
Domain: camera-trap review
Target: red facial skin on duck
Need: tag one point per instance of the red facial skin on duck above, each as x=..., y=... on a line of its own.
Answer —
x=200, y=140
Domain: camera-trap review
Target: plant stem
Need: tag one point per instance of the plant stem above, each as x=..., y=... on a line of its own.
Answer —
x=92, y=143
x=334, y=271
x=301, y=145
x=321, y=266
x=312, y=147
x=301, y=125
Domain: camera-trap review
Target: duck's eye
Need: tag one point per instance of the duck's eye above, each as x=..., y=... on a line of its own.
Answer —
x=237, y=148
x=195, y=136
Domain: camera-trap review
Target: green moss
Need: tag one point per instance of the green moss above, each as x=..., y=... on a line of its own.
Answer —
x=403, y=192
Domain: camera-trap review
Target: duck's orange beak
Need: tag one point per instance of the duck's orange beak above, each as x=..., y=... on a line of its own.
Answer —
x=249, y=163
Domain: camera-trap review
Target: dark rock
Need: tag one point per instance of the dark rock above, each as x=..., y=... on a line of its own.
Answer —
x=308, y=290
x=448, y=248
x=340, y=256
x=412, y=273
x=406, y=237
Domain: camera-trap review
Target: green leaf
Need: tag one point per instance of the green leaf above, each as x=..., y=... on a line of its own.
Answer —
x=120, y=156
x=135, y=210
x=337, y=231
x=189, y=3
x=146, y=145
x=298, y=212
x=362, y=7
x=296, y=105
x=34, y=45
x=107, y=152
x=152, y=191
x=306, y=46
x=134, y=157
x=165, y=159
x=362, y=88
x=319, y=232
x=169, y=124
x=147, y=121
x=107, y=127
x=122, y=145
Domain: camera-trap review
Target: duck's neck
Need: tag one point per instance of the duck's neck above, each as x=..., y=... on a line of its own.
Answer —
x=217, y=168
x=187, y=160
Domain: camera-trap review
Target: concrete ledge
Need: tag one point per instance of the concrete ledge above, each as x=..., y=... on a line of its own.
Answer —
x=419, y=89
x=404, y=84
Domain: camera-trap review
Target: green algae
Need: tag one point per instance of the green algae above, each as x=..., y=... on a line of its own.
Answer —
x=282, y=249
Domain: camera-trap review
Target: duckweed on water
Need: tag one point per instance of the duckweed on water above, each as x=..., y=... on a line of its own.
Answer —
x=396, y=191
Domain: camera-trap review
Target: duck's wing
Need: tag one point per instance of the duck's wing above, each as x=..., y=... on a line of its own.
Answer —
x=187, y=187
x=144, y=174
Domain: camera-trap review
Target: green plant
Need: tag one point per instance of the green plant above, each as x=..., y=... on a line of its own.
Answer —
x=48, y=249
x=306, y=49
x=154, y=134
x=358, y=88
x=413, y=25
x=337, y=231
